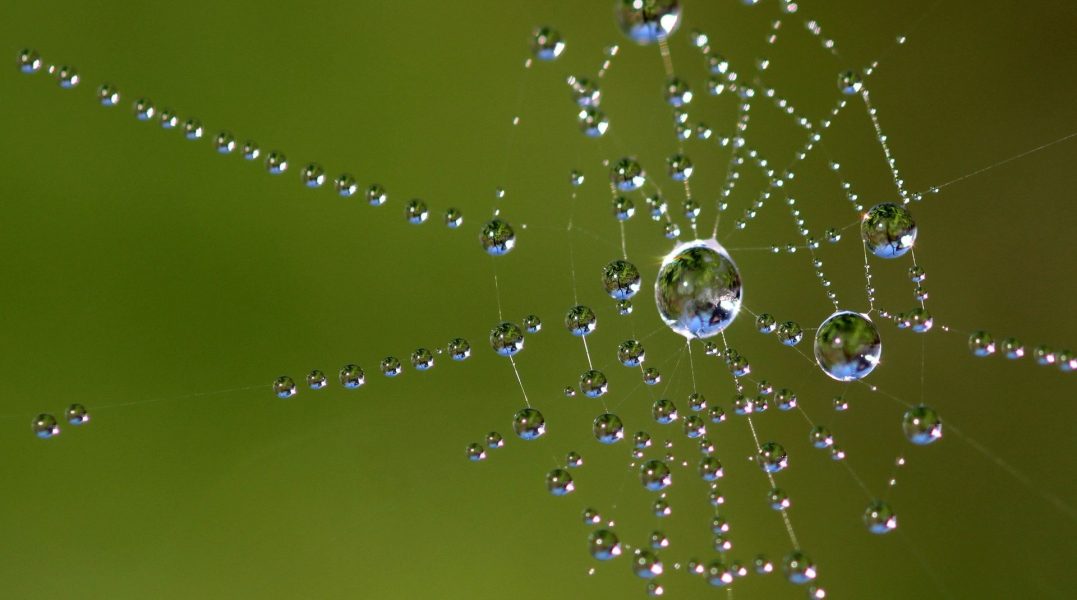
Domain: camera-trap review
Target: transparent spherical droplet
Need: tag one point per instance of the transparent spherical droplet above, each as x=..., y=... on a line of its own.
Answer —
x=67, y=77
x=459, y=349
x=559, y=482
x=593, y=383
x=345, y=185
x=569, y=391
x=507, y=339
x=772, y=457
x=168, y=119
x=475, y=452
x=694, y=427
x=192, y=129
x=847, y=346
x=710, y=469
x=641, y=440
x=416, y=212
x=453, y=218
x=718, y=574
x=664, y=411
x=284, y=387
x=580, y=320
x=586, y=93
x=529, y=424
x=108, y=95
x=494, y=440
x=28, y=61
x=1013, y=348
x=697, y=401
x=888, y=229
x=742, y=405
x=604, y=544
x=820, y=437
x=981, y=343
x=785, y=399
x=646, y=564
x=623, y=208
x=390, y=366
x=680, y=169
x=532, y=323
x=1067, y=361
x=698, y=290
x=608, y=428
x=224, y=142
x=591, y=516
x=251, y=151
x=76, y=414
x=621, y=279
x=922, y=425
x=497, y=237
x=790, y=333
x=765, y=323
x=762, y=565
x=655, y=475
x=316, y=380
x=760, y=404
x=716, y=414
x=592, y=121
x=648, y=21
x=850, y=82
x=276, y=163
x=351, y=376
x=677, y=92
x=627, y=175
x=624, y=307
x=798, y=568
x=313, y=175
x=917, y=274
x=422, y=359
x=44, y=426
x=1041, y=354
x=921, y=320
x=546, y=43
x=144, y=109
x=375, y=195
x=651, y=376
x=778, y=499
x=879, y=517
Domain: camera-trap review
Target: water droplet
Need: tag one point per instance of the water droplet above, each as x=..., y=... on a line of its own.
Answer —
x=44, y=426
x=316, y=380
x=651, y=376
x=664, y=411
x=847, y=346
x=586, y=93
x=224, y=142
x=981, y=343
x=765, y=323
x=1041, y=354
x=497, y=237
x=646, y=563
x=608, y=428
x=546, y=43
x=76, y=414
x=820, y=437
x=624, y=307
x=559, y=482
x=621, y=279
x=313, y=175
x=694, y=427
x=475, y=452
x=879, y=517
x=627, y=175
x=375, y=195
x=677, y=92
x=529, y=424
x=1013, y=348
x=659, y=540
x=276, y=163
x=850, y=82
x=698, y=289
x=772, y=457
x=284, y=387
x=453, y=218
x=192, y=129
x=108, y=95
x=921, y=320
x=251, y=150
x=168, y=119
x=798, y=568
x=580, y=320
x=710, y=469
x=573, y=460
x=422, y=359
x=28, y=61
x=655, y=475
x=416, y=211
x=697, y=401
x=623, y=208
x=144, y=109
x=922, y=425
x=593, y=383
x=67, y=77
x=391, y=366
x=507, y=339
x=648, y=22
x=778, y=499
x=351, y=376
x=888, y=229
x=604, y=544
x=790, y=333
x=593, y=122
x=718, y=574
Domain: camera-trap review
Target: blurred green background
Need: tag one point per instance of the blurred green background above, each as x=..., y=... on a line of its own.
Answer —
x=164, y=287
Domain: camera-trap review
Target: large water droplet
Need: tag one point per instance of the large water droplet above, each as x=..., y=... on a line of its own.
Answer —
x=847, y=346
x=698, y=290
x=888, y=229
